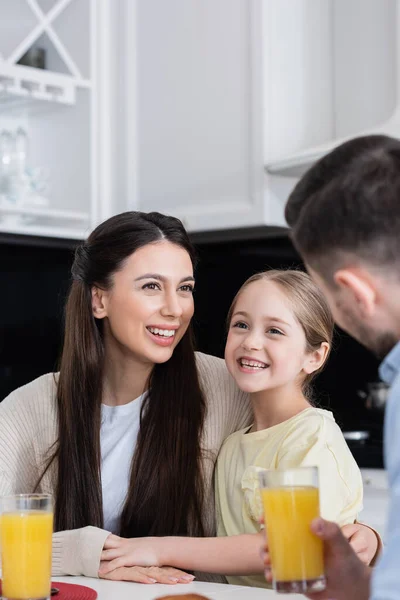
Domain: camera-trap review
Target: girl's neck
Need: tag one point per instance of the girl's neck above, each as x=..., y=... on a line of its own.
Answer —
x=271, y=407
x=124, y=377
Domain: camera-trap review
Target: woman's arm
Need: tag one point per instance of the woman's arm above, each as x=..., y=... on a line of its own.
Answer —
x=238, y=554
x=78, y=551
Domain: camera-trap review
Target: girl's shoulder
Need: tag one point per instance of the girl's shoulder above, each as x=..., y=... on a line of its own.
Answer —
x=310, y=428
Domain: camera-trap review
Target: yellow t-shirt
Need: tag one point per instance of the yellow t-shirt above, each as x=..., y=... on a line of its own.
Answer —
x=311, y=438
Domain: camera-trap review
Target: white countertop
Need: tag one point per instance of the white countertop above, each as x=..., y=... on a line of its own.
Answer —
x=121, y=590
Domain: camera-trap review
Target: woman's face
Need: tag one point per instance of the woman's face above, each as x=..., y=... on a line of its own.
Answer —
x=150, y=305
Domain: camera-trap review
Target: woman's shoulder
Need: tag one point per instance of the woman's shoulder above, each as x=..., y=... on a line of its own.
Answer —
x=37, y=395
x=208, y=364
x=228, y=408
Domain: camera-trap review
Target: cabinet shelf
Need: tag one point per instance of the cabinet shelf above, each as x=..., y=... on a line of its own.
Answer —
x=25, y=86
x=44, y=221
x=45, y=231
x=297, y=164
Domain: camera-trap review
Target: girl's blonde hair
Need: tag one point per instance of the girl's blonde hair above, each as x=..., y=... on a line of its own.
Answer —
x=309, y=307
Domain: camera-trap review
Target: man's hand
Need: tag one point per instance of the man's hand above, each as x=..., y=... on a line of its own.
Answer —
x=347, y=577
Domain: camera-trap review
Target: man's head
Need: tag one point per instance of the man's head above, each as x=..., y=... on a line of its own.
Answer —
x=345, y=220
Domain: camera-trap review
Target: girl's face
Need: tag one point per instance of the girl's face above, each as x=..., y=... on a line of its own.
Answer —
x=266, y=345
x=149, y=307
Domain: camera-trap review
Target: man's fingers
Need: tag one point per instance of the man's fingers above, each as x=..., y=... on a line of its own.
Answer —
x=329, y=532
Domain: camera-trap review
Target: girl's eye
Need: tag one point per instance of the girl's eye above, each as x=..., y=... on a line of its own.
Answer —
x=274, y=331
x=240, y=325
x=187, y=288
x=151, y=286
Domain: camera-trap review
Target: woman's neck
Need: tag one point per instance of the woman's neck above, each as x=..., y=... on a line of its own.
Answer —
x=124, y=378
x=271, y=407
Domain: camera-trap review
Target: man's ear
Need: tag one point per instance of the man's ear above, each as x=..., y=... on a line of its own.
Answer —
x=99, y=303
x=361, y=288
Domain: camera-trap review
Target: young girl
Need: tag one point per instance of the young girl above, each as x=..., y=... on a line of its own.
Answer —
x=280, y=331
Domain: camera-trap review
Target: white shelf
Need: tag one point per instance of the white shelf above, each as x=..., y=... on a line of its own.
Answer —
x=45, y=231
x=21, y=85
x=44, y=221
x=47, y=213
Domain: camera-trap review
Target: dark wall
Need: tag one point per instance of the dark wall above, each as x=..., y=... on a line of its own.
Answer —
x=34, y=283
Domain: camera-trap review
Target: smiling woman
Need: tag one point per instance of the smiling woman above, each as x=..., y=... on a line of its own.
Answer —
x=126, y=435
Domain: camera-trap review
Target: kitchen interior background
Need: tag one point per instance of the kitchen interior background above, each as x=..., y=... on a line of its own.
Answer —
x=208, y=110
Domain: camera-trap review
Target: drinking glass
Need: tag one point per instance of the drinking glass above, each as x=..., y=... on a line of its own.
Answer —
x=26, y=528
x=291, y=501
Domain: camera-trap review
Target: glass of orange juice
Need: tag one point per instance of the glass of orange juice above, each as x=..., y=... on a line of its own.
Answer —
x=291, y=501
x=26, y=528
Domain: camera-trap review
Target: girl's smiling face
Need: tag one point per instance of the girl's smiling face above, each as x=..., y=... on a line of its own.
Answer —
x=266, y=345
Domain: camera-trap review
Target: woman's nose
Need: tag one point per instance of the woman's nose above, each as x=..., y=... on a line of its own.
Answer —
x=172, y=307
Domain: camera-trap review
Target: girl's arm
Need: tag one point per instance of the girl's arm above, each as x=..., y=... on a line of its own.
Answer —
x=234, y=555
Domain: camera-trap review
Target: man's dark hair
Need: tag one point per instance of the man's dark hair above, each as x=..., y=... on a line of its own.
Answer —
x=348, y=203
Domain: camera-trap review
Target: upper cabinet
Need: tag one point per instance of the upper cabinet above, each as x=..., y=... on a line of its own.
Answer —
x=193, y=84
x=203, y=109
x=51, y=120
x=334, y=73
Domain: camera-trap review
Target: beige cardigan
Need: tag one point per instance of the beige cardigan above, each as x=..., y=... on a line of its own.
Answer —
x=28, y=428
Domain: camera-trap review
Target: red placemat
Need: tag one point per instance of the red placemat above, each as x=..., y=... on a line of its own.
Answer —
x=71, y=591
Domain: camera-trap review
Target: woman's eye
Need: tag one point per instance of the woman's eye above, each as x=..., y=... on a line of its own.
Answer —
x=274, y=331
x=151, y=286
x=240, y=325
x=187, y=288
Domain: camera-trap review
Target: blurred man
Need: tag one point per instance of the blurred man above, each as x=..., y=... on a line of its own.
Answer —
x=345, y=220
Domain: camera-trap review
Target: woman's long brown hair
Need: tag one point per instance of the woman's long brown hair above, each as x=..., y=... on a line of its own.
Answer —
x=166, y=485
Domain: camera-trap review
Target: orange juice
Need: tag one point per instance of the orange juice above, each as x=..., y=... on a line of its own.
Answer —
x=25, y=541
x=296, y=553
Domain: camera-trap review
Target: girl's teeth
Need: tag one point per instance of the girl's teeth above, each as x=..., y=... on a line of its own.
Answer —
x=252, y=364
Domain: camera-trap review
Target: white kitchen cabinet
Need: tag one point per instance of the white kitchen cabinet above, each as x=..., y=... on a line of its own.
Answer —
x=193, y=117
x=376, y=499
x=334, y=73
x=64, y=110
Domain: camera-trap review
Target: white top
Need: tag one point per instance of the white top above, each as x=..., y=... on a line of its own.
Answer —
x=118, y=436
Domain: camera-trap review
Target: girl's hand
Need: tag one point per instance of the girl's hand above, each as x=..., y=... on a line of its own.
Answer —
x=363, y=540
x=137, y=553
x=167, y=575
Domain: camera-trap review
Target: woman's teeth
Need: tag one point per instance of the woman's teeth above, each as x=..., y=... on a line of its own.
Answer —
x=254, y=364
x=162, y=332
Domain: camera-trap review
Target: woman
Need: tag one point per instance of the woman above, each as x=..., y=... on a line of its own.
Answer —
x=126, y=435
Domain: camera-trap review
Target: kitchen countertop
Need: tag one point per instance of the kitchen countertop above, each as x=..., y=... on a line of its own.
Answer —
x=121, y=590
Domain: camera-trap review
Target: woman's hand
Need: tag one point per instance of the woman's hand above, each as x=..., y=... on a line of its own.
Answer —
x=167, y=575
x=137, y=559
